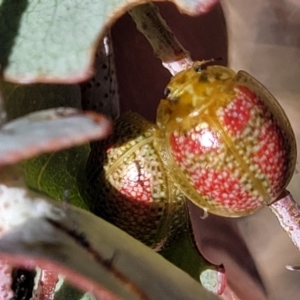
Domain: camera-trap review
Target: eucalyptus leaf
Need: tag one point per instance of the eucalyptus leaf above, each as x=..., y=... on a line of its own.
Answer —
x=50, y=41
x=48, y=131
x=60, y=174
x=21, y=100
x=90, y=253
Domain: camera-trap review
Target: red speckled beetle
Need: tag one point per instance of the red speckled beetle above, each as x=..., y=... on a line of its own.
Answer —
x=132, y=188
x=226, y=140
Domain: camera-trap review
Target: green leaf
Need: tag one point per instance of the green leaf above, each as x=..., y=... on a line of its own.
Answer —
x=184, y=254
x=92, y=254
x=60, y=175
x=21, y=100
x=68, y=291
x=55, y=41
x=87, y=251
x=48, y=40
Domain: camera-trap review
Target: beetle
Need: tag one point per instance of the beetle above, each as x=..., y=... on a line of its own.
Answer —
x=226, y=139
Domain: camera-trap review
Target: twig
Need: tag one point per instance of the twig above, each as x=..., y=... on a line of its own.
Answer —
x=47, y=284
x=165, y=45
x=288, y=213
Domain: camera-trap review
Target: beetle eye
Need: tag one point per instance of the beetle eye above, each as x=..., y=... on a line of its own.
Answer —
x=199, y=68
x=167, y=92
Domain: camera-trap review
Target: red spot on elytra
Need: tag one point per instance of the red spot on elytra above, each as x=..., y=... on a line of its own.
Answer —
x=271, y=155
x=134, y=208
x=237, y=113
x=136, y=190
x=222, y=187
x=135, y=185
x=247, y=94
x=193, y=143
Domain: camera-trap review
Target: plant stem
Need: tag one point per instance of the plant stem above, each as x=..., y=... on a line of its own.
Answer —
x=165, y=45
x=288, y=213
x=48, y=283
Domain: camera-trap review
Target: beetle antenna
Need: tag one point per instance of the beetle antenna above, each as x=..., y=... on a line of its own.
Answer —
x=202, y=65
